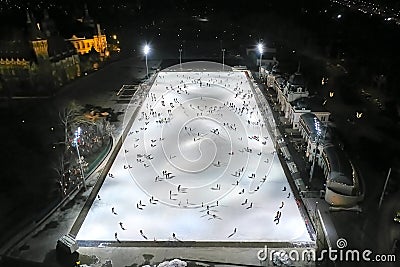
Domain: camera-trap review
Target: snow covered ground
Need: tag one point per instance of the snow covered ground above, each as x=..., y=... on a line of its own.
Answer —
x=198, y=164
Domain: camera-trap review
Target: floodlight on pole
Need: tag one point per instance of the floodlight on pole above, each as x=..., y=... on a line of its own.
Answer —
x=146, y=50
x=260, y=50
x=223, y=58
x=180, y=58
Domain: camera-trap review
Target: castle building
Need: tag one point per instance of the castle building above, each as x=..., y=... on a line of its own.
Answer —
x=40, y=60
x=90, y=37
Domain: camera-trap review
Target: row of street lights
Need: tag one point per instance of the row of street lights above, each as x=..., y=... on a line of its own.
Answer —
x=146, y=51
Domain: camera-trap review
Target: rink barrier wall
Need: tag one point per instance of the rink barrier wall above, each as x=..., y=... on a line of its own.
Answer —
x=83, y=213
x=266, y=109
x=107, y=243
x=174, y=243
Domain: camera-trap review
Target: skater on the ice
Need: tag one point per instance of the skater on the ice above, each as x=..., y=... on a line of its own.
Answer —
x=122, y=227
x=113, y=211
x=179, y=188
x=116, y=236
x=251, y=205
x=245, y=202
x=234, y=232
x=277, y=217
x=288, y=196
x=141, y=233
x=284, y=188
x=242, y=192
x=140, y=203
x=283, y=203
x=98, y=196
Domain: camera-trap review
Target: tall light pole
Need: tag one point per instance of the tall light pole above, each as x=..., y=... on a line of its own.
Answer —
x=384, y=188
x=76, y=144
x=260, y=50
x=180, y=58
x=146, y=50
x=223, y=58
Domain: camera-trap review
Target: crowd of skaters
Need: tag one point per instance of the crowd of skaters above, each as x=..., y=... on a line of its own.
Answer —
x=253, y=118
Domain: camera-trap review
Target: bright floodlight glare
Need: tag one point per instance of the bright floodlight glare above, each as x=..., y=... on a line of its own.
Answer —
x=146, y=49
x=260, y=48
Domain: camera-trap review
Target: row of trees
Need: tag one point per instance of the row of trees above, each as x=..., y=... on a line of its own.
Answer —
x=79, y=150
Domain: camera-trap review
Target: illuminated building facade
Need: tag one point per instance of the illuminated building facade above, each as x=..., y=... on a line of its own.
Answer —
x=41, y=59
x=90, y=38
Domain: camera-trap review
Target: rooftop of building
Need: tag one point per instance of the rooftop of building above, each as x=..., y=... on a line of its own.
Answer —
x=314, y=103
x=297, y=79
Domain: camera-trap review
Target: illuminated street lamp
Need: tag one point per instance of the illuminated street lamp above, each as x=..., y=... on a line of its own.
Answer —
x=146, y=50
x=75, y=143
x=260, y=50
x=180, y=58
x=223, y=58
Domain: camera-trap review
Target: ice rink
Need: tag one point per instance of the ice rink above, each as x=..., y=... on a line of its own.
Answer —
x=198, y=164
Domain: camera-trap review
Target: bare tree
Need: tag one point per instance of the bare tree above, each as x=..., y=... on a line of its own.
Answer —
x=61, y=179
x=67, y=116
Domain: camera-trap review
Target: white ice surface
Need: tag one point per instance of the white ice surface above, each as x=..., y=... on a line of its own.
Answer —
x=187, y=148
